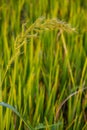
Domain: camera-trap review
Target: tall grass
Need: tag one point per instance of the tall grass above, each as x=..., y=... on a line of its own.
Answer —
x=43, y=65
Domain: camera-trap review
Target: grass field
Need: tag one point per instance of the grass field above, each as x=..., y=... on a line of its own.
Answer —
x=43, y=64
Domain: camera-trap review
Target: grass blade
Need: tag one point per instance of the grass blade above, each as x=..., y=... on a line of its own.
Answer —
x=17, y=113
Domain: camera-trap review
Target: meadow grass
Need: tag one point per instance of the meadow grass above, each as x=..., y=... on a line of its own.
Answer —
x=43, y=62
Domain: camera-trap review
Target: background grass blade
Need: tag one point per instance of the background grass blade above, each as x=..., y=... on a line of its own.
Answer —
x=17, y=113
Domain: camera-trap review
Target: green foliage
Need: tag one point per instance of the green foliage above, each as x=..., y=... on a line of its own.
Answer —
x=43, y=64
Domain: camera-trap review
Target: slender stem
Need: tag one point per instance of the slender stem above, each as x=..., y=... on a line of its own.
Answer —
x=66, y=53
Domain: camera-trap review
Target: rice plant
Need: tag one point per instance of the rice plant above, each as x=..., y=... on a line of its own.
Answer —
x=43, y=64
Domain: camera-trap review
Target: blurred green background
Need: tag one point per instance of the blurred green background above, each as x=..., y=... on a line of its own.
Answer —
x=39, y=80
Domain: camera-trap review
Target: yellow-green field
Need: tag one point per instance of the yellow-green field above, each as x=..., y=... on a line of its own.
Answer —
x=43, y=64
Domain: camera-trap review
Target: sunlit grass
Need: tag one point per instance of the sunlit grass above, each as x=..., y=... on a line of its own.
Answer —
x=43, y=65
